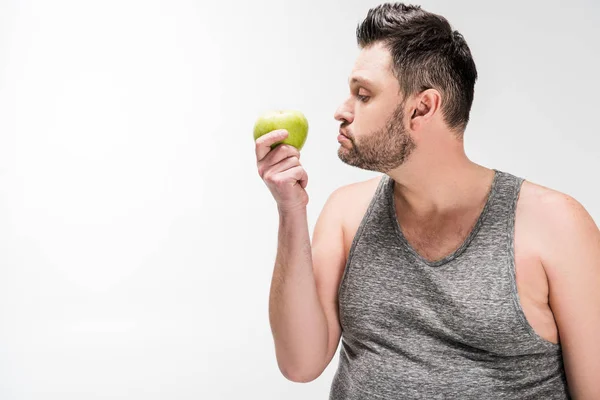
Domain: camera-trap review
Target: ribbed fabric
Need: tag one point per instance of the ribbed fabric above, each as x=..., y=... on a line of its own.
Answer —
x=449, y=329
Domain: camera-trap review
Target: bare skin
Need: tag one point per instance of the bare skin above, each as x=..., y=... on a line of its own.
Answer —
x=439, y=193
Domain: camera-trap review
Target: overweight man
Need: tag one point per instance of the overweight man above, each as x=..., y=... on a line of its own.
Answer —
x=442, y=278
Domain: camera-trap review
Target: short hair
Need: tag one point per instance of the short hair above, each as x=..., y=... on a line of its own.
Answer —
x=426, y=53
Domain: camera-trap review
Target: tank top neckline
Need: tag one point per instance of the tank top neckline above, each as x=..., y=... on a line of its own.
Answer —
x=389, y=194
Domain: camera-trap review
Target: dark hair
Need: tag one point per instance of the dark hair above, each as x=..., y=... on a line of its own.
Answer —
x=427, y=53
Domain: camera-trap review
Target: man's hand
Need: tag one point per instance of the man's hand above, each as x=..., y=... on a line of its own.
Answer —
x=280, y=169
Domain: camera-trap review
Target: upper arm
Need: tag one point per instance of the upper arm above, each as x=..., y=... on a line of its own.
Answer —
x=571, y=258
x=329, y=261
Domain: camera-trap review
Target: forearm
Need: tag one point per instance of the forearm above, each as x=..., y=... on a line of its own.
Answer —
x=297, y=319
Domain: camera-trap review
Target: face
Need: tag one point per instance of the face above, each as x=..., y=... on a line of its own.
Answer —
x=372, y=117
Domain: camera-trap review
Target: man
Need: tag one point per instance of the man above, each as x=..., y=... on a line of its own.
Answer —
x=447, y=279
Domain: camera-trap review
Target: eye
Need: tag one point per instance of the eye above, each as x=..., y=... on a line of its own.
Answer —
x=362, y=98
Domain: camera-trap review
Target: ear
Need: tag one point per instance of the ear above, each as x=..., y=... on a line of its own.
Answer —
x=426, y=104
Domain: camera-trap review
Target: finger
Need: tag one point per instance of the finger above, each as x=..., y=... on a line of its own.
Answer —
x=263, y=143
x=284, y=165
x=280, y=153
x=293, y=175
x=304, y=179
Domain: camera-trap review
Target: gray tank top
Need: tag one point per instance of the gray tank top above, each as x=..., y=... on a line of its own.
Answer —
x=449, y=329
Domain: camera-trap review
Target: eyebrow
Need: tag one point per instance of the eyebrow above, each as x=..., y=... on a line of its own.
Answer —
x=360, y=80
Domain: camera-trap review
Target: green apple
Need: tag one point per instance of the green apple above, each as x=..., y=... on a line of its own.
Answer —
x=291, y=120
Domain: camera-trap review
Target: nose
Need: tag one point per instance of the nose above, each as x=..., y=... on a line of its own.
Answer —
x=344, y=113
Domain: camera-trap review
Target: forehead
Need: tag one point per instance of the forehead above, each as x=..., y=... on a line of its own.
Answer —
x=374, y=63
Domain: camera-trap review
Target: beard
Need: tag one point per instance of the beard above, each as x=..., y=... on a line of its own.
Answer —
x=382, y=150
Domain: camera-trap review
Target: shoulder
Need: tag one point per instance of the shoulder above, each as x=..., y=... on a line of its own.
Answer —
x=559, y=222
x=353, y=199
x=550, y=207
x=351, y=202
x=358, y=191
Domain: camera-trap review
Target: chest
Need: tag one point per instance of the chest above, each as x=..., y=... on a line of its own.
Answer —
x=434, y=242
x=531, y=306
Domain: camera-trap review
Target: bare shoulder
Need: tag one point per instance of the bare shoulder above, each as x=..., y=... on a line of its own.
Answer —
x=353, y=201
x=538, y=194
x=352, y=198
x=551, y=214
x=547, y=204
x=358, y=192
x=343, y=211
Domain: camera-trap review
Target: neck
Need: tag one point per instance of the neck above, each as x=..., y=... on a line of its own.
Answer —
x=436, y=183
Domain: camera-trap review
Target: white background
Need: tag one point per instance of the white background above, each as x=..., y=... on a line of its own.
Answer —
x=137, y=240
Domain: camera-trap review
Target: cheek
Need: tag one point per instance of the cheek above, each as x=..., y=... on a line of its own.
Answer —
x=365, y=115
x=368, y=119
